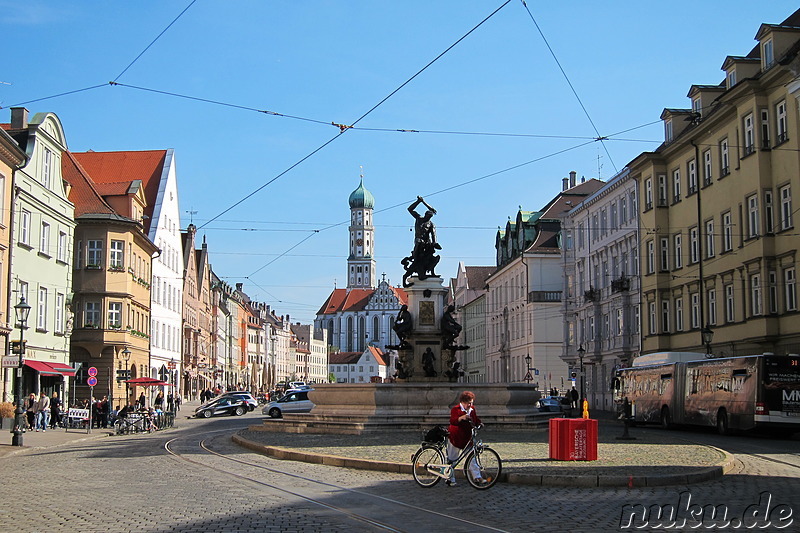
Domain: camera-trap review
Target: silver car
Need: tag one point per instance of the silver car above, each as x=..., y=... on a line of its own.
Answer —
x=294, y=401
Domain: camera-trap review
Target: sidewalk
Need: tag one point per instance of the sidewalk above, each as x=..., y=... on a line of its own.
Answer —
x=657, y=457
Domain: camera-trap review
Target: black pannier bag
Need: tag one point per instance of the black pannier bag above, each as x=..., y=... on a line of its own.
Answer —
x=435, y=435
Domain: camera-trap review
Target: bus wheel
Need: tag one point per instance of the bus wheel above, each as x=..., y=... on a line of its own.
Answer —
x=722, y=422
x=666, y=419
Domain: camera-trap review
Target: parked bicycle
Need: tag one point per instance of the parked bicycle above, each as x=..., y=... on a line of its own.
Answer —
x=482, y=465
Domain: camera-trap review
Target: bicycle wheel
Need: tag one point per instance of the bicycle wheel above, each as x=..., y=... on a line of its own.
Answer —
x=487, y=465
x=420, y=462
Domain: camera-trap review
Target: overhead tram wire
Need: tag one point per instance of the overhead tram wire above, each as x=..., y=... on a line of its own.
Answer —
x=344, y=128
x=599, y=137
x=154, y=40
x=56, y=95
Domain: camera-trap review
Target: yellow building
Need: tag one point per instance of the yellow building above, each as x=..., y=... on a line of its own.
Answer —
x=111, y=282
x=718, y=237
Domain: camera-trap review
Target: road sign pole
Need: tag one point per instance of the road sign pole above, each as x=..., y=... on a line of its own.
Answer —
x=91, y=403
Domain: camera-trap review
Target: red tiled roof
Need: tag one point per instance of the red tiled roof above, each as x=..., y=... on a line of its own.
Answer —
x=378, y=355
x=344, y=358
x=346, y=300
x=477, y=276
x=113, y=189
x=83, y=194
x=116, y=167
x=401, y=294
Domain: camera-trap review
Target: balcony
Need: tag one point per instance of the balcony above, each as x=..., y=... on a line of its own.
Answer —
x=592, y=295
x=621, y=284
x=544, y=296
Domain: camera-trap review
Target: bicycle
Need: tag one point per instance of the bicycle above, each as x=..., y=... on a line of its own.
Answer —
x=429, y=465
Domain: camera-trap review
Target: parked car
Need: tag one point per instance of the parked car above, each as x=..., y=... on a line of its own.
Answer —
x=245, y=396
x=222, y=406
x=294, y=401
x=552, y=404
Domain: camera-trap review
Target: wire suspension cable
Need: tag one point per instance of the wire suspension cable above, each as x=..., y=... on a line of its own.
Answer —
x=343, y=128
x=154, y=40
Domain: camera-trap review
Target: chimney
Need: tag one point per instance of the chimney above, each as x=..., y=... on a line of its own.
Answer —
x=572, y=178
x=239, y=286
x=583, y=179
x=564, y=184
x=19, y=118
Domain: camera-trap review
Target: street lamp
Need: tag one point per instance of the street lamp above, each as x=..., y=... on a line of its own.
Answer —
x=528, y=376
x=581, y=353
x=708, y=335
x=126, y=355
x=22, y=310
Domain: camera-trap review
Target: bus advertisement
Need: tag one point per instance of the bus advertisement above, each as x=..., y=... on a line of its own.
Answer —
x=743, y=393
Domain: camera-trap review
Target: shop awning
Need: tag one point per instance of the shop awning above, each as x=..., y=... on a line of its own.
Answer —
x=50, y=369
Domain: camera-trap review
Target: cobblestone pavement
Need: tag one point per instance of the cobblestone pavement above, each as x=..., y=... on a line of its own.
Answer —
x=127, y=484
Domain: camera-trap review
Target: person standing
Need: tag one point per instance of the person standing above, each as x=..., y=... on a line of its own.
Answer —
x=142, y=400
x=30, y=410
x=170, y=402
x=178, y=401
x=574, y=395
x=103, y=410
x=55, y=411
x=462, y=418
x=42, y=412
x=158, y=403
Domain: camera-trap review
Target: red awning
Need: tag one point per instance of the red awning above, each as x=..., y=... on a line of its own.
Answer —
x=50, y=369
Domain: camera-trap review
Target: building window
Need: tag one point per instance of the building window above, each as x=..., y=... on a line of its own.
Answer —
x=115, y=315
x=711, y=300
x=691, y=170
x=767, y=54
x=91, y=317
x=676, y=186
x=781, y=128
x=707, y=167
x=749, y=135
x=729, y=308
x=665, y=316
x=764, y=129
x=47, y=165
x=731, y=78
x=773, y=291
x=117, y=251
x=623, y=210
x=677, y=240
x=756, y=302
x=614, y=220
x=662, y=190
x=723, y=158
x=44, y=239
x=648, y=193
x=652, y=318
x=664, y=255
x=651, y=259
x=710, y=238
x=679, y=314
x=727, y=232
x=94, y=254
x=41, y=311
x=603, y=222
x=694, y=251
x=25, y=227
x=695, y=311
x=581, y=237
x=633, y=203
x=752, y=216
x=768, y=213
x=786, y=207
x=668, y=130
x=789, y=284
x=59, y=328
x=61, y=253
x=620, y=322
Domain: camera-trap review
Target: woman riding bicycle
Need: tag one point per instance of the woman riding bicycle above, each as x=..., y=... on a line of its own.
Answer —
x=462, y=418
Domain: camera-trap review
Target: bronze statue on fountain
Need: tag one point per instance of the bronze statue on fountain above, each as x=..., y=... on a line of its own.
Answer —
x=423, y=259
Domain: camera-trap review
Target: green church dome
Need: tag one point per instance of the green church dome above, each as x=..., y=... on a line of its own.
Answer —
x=361, y=197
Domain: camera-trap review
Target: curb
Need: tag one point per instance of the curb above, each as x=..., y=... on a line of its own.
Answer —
x=545, y=480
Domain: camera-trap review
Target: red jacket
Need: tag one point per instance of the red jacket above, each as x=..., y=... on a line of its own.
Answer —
x=461, y=432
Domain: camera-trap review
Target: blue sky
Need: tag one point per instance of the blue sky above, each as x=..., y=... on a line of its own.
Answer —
x=333, y=61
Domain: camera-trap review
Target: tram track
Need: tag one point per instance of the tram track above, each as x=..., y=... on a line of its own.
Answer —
x=280, y=481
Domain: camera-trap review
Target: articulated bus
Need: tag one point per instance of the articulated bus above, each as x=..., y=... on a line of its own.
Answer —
x=743, y=393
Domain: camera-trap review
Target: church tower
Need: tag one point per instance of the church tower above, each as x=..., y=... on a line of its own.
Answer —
x=361, y=260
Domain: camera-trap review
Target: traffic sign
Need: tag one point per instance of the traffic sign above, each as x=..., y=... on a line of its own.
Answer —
x=92, y=371
x=92, y=381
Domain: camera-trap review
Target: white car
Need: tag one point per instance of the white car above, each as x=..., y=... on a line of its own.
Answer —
x=294, y=401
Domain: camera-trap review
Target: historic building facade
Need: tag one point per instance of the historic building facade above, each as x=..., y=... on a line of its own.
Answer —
x=719, y=253
x=469, y=298
x=41, y=247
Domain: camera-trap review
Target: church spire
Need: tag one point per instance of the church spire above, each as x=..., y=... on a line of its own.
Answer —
x=361, y=259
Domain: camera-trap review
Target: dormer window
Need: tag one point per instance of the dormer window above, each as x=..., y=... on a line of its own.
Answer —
x=731, y=78
x=767, y=54
x=697, y=107
x=668, y=130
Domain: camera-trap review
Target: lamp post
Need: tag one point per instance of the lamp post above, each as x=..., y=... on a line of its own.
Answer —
x=528, y=376
x=126, y=355
x=272, y=371
x=581, y=353
x=708, y=335
x=22, y=310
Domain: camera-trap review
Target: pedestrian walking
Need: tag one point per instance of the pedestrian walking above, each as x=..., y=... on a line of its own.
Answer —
x=55, y=411
x=158, y=403
x=574, y=395
x=42, y=412
x=170, y=402
x=142, y=401
x=30, y=410
x=178, y=401
x=103, y=410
